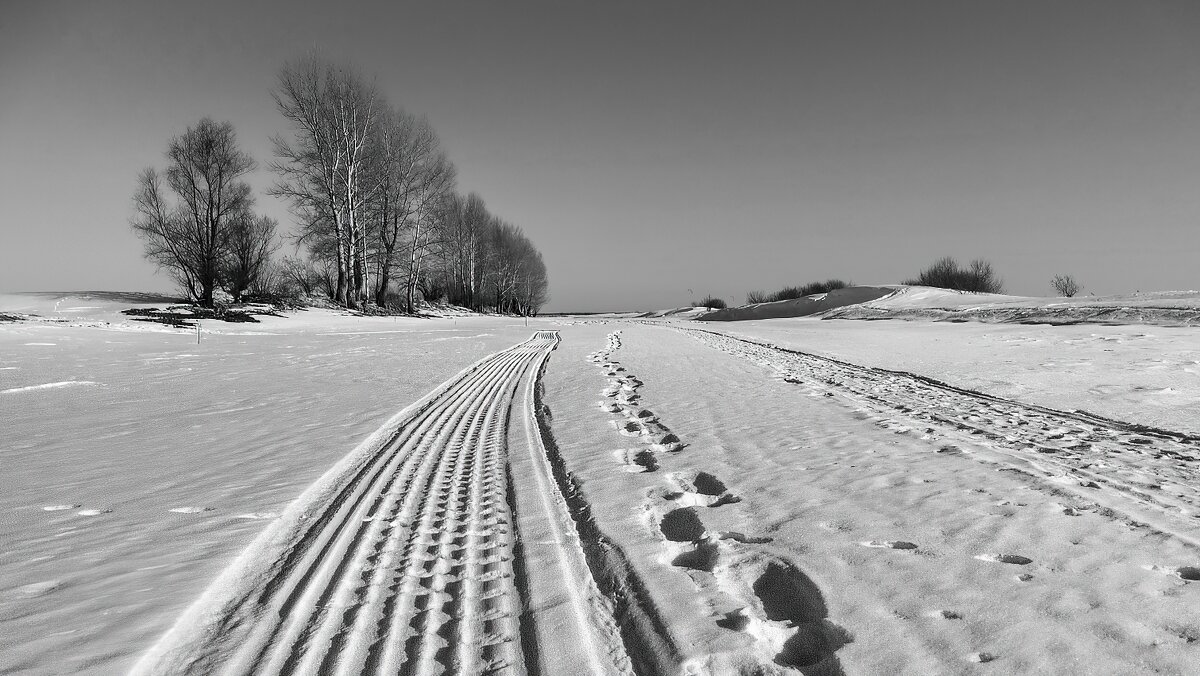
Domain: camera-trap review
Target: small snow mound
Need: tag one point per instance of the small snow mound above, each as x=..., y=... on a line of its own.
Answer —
x=257, y=515
x=40, y=588
x=48, y=386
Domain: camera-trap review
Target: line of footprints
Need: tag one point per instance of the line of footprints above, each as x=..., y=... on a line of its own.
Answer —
x=1061, y=442
x=749, y=591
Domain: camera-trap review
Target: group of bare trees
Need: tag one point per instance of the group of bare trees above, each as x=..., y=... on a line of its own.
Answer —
x=209, y=237
x=374, y=193
x=375, y=199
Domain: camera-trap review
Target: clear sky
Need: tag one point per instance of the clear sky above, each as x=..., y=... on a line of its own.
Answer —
x=657, y=152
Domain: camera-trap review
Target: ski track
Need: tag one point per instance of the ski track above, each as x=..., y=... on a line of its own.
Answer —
x=769, y=599
x=409, y=567
x=1143, y=476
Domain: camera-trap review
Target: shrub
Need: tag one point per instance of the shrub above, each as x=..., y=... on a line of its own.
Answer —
x=757, y=297
x=945, y=273
x=790, y=292
x=1065, y=285
x=712, y=302
x=822, y=287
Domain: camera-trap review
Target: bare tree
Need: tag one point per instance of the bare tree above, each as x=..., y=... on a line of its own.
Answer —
x=945, y=273
x=414, y=176
x=251, y=243
x=462, y=248
x=323, y=169
x=189, y=239
x=1065, y=285
x=535, y=286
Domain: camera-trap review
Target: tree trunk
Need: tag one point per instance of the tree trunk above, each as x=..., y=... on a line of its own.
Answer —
x=339, y=296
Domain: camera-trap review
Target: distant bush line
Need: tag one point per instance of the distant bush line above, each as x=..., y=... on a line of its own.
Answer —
x=790, y=292
x=945, y=273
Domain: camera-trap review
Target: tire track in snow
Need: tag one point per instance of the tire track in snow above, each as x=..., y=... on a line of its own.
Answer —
x=1146, y=474
x=401, y=560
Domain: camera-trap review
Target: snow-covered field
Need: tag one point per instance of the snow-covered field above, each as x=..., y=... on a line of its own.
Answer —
x=678, y=497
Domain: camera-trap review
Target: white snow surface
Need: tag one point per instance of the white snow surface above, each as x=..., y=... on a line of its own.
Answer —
x=181, y=442
x=1136, y=373
x=776, y=521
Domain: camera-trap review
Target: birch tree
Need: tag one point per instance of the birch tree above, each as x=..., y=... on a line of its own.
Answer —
x=322, y=168
x=414, y=177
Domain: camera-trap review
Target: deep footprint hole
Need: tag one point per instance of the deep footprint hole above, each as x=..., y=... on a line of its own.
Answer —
x=681, y=525
x=813, y=645
x=788, y=594
x=1189, y=573
x=1015, y=559
x=702, y=557
x=646, y=459
x=707, y=484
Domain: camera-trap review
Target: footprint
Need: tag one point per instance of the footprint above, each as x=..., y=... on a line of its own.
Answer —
x=636, y=460
x=950, y=615
x=681, y=525
x=736, y=620
x=811, y=649
x=668, y=443
x=1015, y=559
x=702, y=556
x=1185, y=573
x=788, y=595
x=890, y=544
x=707, y=484
x=631, y=429
x=1189, y=573
x=745, y=539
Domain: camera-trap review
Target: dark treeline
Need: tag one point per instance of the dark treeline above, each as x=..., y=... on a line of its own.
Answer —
x=379, y=215
x=380, y=221
x=791, y=292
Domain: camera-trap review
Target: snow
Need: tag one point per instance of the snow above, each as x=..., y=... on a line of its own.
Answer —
x=758, y=511
x=180, y=444
x=909, y=560
x=1142, y=374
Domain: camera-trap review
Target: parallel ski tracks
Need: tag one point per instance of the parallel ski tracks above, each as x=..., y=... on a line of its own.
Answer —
x=408, y=569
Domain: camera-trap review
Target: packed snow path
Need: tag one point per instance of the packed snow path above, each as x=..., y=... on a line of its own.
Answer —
x=1144, y=475
x=412, y=558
